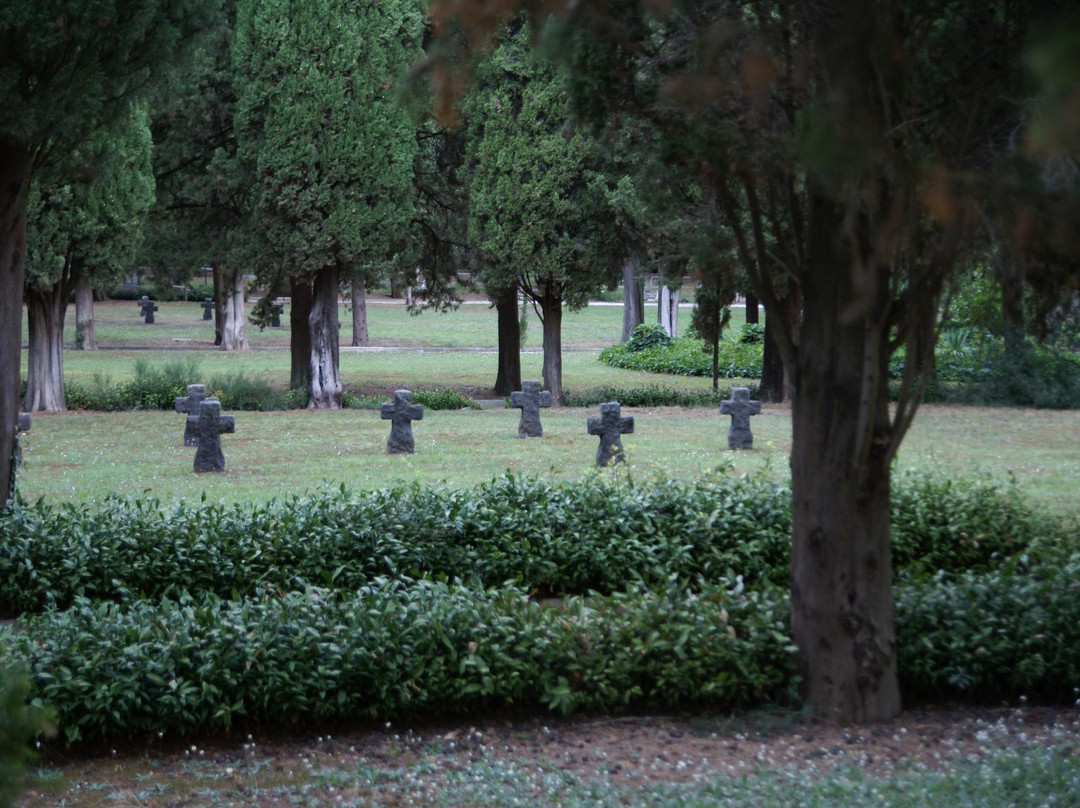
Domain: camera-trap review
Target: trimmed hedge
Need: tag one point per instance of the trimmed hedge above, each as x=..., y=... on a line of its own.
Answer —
x=401, y=648
x=688, y=356
x=595, y=535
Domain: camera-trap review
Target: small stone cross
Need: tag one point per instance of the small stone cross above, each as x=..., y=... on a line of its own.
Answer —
x=610, y=426
x=275, y=315
x=148, y=307
x=207, y=308
x=24, y=422
x=190, y=404
x=740, y=408
x=212, y=423
x=401, y=414
x=530, y=399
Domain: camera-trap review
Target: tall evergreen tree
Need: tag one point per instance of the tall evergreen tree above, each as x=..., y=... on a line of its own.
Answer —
x=329, y=149
x=66, y=70
x=85, y=219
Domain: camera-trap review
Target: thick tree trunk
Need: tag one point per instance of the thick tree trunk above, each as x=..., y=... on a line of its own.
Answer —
x=324, y=382
x=299, y=333
x=841, y=574
x=772, y=368
x=45, y=359
x=233, y=321
x=359, y=314
x=219, y=305
x=508, y=378
x=633, y=299
x=752, y=312
x=551, y=309
x=85, y=338
x=667, y=309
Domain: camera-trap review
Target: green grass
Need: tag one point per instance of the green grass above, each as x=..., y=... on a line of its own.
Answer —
x=85, y=456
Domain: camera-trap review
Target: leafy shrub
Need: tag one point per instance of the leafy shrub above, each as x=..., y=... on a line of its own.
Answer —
x=444, y=399
x=647, y=335
x=401, y=648
x=989, y=636
x=752, y=334
x=21, y=721
x=239, y=391
x=687, y=357
x=646, y=396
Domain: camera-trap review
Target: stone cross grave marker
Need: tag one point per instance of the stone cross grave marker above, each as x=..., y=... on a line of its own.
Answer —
x=401, y=414
x=740, y=408
x=190, y=404
x=275, y=315
x=530, y=399
x=148, y=307
x=212, y=423
x=24, y=422
x=610, y=426
x=207, y=308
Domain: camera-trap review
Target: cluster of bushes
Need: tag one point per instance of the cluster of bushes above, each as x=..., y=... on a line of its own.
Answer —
x=165, y=294
x=137, y=617
x=684, y=356
x=649, y=395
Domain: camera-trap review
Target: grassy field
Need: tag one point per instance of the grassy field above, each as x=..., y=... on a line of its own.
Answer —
x=85, y=456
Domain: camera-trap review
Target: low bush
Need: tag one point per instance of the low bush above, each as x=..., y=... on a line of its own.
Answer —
x=444, y=399
x=401, y=648
x=648, y=396
x=687, y=356
x=154, y=387
x=241, y=391
x=22, y=721
x=1003, y=634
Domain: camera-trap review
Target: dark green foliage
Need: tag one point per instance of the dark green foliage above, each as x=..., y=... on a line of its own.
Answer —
x=752, y=333
x=21, y=721
x=648, y=396
x=401, y=648
x=648, y=335
x=155, y=387
x=239, y=391
x=686, y=356
x=1001, y=635
x=444, y=399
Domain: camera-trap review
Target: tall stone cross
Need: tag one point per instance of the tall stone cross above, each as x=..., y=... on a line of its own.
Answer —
x=148, y=307
x=190, y=404
x=610, y=426
x=275, y=315
x=207, y=308
x=530, y=399
x=401, y=414
x=212, y=423
x=740, y=408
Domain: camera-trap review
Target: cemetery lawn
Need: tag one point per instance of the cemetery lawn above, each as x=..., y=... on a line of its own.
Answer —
x=988, y=758
x=83, y=457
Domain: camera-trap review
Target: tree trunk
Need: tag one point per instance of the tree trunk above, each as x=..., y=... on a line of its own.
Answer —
x=508, y=378
x=551, y=309
x=633, y=299
x=667, y=309
x=395, y=285
x=45, y=310
x=359, y=314
x=841, y=573
x=772, y=368
x=16, y=167
x=299, y=333
x=219, y=305
x=324, y=382
x=752, y=313
x=85, y=339
x=233, y=323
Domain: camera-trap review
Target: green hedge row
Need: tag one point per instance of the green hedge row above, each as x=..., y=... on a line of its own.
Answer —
x=686, y=356
x=594, y=535
x=398, y=648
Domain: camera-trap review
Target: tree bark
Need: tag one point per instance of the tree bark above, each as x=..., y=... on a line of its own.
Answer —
x=219, y=305
x=551, y=309
x=324, y=382
x=508, y=378
x=300, y=305
x=16, y=166
x=233, y=321
x=841, y=573
x=85, y=338
x=359, y=314
x=667, y=309
x=752, y=312
x=633, y=299
x=45, y=310
x=772, y=368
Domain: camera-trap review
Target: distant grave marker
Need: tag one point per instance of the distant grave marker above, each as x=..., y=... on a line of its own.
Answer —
x=190, y=404
x=208, y=457
x=530, y=399
x=24, y=422
x=207, y=308
x=401, y=413
x=740, y=408
x=610, y=426
x=147, y=306
x=275, y=315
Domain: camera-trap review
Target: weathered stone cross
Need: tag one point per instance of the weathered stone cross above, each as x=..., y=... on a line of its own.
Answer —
x=530, y=399
x=24, y=422
x=740, y=408
x=401, y=414
x=148, y=307
x=190, y=404
x=212, y=423
x=275, y=315
x=610, y=426
x=207, y=308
